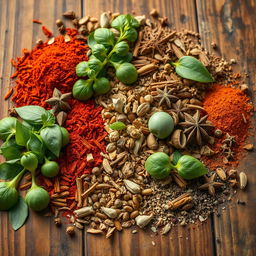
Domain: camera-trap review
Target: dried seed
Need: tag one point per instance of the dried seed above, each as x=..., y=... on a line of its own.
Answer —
x=94, y=231
x=69, y=15
x=147, y=192
x=152, y=142
x=51, y=41
x=143, y=220
x=128, y=208
x=143, y=109
x=104, y=20
x=134, y=214
x=178, y=139
x=83, y=20
x=243, y=180
x=79, y=225
x=106, y=166
x=165, y=230
x=221, y=173
x=110, y=212
x=118, y=225
x=132, y=186
x=70, y=230
x=154, y=13
x=248, y=147
x=85, y=211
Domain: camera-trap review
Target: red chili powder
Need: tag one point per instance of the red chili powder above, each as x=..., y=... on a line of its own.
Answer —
x=47, y=66
x=229, y=110
x=53, y=66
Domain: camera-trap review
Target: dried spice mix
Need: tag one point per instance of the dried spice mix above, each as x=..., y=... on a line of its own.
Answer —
x=124, y=165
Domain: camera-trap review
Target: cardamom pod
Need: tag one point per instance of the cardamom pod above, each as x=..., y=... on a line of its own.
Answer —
x=104, y=20
x=243, y=180
x=106, y=166
x=143, y=220
x=178, y=139
x=132, y=186
x=111, y=213
x=85, y=211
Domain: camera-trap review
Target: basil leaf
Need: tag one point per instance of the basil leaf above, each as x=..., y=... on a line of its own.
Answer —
x=91, y=40
x=191, y=68
x=22, y=134
x=10, y=150
x=133, y=23
x=104, y=36
x=175, y=157
x=121, y=59
x=117, y=126
x=81, y=68
x=119, y=22
x=95, y=64
x=130, y=34
x=31, y=114
x=36, y=145
x=48, y=119
x=52, y=138
x=99, y=51
x=9, y=170
x=82, y=89
x=18, y=214
x=122, y=48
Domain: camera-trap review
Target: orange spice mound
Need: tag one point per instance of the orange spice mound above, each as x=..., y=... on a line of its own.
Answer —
x=229, y=110
x=47, y=66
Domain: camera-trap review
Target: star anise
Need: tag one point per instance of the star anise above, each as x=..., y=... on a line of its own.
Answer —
x=211, y=184
x=196, y=127
x=165, y=96
x=179, y=108
x=59, y=101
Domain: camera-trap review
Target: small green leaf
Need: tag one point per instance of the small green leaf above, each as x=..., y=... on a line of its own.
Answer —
x=36, y=145
x=10, y=150
x=22, y=134
x=91, y=40
x=82, y=89
x=81, y=68
x=176, y=156
x=31, y=114
x=9, y=170
x=119, y=22
x=130, y=34
x=104, y=36
x=95, y=64
x=48, y=119
x=191, y=68
x=120, y=59
x=52, y=138
x=99, y=51
x=117, y=126
x=18, y=214
x=122, y=48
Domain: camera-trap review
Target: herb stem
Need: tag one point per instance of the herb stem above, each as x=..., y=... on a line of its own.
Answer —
x=17, y=179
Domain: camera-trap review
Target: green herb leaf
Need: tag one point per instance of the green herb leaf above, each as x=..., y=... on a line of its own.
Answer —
x=9, y=170
x=52, y=138
x=18, y=214
x=176, y=156
x=130, y=34
x=104, y=36
x=117, y=126
x=132, y=21
x=10, y=150
x=191, y=68
x=82, y=89
x=31, y=114
x=122, y=48
x=36, y=145
x=48, y=119
x=115, y=58
x=95, y=64
x=119, y=22
x=126, y=73
x=99, y=51
x=22, y=134
x=81, y=68
x=91, y=40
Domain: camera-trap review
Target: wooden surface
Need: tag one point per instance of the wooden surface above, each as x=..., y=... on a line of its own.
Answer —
x=229, y=23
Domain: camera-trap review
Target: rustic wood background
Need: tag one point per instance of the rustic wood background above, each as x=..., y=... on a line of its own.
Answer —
x=229, y=23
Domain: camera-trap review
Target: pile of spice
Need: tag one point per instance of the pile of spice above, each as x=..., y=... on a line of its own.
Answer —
x=49, y=65
x=109, y=189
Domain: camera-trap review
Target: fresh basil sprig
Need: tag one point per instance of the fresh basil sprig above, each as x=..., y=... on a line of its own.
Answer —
x=191, y=68
x=28, y=143
x=107, y=50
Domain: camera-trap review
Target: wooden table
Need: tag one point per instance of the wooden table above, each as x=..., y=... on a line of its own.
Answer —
x=231, y=25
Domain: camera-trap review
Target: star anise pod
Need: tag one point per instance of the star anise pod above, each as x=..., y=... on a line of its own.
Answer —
x=211, y=184
x=179, y=108
x=165, y=96
x=59, y=101
x=196, y=127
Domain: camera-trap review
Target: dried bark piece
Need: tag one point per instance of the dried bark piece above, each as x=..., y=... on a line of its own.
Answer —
x=180, y=201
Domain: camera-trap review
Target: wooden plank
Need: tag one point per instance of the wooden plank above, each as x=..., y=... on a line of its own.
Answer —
x=231, y=24
x=39, y=236
x=195, y=240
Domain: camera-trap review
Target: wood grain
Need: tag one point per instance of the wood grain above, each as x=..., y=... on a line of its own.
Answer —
x=231, y=24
